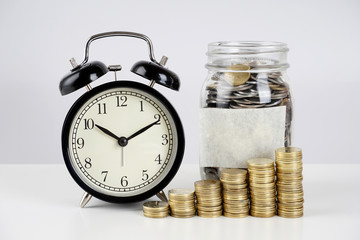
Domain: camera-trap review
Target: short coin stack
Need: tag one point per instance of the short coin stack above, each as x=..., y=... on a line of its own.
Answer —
x=235, y=192
x=262, y=187
x=209, y=201
x=156, y=209
x=290, y=192
x=182, y=203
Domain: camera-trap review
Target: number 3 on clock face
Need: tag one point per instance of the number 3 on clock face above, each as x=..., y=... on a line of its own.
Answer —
x=122, y=141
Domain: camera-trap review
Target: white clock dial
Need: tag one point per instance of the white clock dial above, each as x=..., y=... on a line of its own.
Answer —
x=121, y=142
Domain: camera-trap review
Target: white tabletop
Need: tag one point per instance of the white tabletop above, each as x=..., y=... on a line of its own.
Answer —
x=42, y=202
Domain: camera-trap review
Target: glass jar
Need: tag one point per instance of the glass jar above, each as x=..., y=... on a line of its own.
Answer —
x=246, y=106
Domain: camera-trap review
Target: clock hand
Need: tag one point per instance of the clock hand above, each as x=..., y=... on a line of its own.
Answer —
x=143, y=129
x=122, y=141
x=122, y=157
x=107, y=132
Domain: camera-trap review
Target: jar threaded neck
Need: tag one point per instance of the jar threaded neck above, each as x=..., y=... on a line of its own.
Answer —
x=260, y=55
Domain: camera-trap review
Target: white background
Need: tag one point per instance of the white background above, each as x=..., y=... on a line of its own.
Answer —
x=37, y=38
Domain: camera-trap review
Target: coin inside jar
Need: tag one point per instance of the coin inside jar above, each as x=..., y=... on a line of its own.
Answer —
x=237, y=78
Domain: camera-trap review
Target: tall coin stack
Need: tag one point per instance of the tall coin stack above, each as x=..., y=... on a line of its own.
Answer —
x=182, y=203
x=290, y=192
x=235, y=192
x=262, y=187
x=208, y=195
x=156, y=209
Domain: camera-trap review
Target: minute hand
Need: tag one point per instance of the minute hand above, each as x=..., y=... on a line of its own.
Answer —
x=143, y=130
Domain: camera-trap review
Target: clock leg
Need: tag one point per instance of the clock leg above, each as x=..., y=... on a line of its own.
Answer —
x=85, y=199
x=161, y=195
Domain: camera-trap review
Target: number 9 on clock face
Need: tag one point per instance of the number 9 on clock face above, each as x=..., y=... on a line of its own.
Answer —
x=122, y=141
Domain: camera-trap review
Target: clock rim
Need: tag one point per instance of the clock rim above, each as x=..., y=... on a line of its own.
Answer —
x=104, y=87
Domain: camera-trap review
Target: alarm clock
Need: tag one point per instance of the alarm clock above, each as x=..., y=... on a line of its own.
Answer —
x=122, y=141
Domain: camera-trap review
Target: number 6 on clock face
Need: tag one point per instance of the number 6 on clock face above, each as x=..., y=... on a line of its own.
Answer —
x=122, y=141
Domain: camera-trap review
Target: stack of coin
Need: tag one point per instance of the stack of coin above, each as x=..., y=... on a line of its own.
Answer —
x=182, y=203
x=262, y=187
x=235, y=192
x=290, y=192
x=208, y=195
x=156, y=209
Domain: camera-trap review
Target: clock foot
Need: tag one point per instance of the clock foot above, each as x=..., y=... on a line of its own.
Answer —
x=85, y=199
x=161, y=195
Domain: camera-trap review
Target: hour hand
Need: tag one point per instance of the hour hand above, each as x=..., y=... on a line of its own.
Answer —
x=106, y=131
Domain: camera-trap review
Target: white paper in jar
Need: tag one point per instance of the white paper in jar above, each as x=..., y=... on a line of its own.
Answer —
x=230, y=137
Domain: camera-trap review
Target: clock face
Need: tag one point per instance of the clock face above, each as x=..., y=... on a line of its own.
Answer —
x=123, y=141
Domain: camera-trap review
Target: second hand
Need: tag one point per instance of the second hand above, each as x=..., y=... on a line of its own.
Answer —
x=122, y=157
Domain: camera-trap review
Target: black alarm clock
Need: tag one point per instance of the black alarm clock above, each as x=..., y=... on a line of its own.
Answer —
x=122, y=141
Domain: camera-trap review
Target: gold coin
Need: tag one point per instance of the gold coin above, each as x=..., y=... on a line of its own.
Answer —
x=262, y=214
x=156, y=215
x=241, y=203
x=208, y=197
x=181, y=202
x=237, y=78
x=240, y=192
x=236, y=215
x=292, y=184
x=289, y=177
x=295, y=205
x=291, y=201
x=260, y=181
x=237, y=210
x=268, y=185
x=290, y=198
x=236, y=197
x=234, y=172
x=263, y=204
x=236, y=202
x=207, y=184
x=262, y=172
x=233, y=182
x=183, y=211
x=260, y=163
x=289, y=170
x=260, y=169
x=289, y=191
x=156, y=206
x=293, y=196
x=288, y=161
x=214, y=202
x=263, y=198
x=263, y=194
x=209, y=214
x=288, y=151
x=209, y=208
x=181, y=193
x=234, y=186
x=182, y=207
x=295, y=215
x=184, y=216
